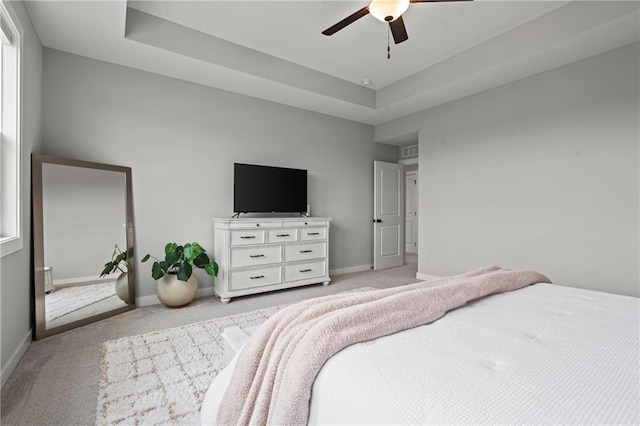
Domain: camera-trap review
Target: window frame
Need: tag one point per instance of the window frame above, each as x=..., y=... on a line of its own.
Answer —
x=11, y=154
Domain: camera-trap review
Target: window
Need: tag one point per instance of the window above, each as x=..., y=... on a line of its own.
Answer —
x=10, y=132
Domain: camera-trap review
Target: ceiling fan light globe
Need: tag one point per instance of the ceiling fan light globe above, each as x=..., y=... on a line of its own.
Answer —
x=388, y=10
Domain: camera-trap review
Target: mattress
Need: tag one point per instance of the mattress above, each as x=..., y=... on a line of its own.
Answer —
x=545, y=354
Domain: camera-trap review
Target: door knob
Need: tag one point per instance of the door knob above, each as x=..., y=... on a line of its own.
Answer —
x=377, y=221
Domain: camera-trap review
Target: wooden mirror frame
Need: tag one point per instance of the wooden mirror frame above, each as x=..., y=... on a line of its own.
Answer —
x=37, y=161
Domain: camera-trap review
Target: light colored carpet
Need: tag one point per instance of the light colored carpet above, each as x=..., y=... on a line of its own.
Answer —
x=56, y=381
x=162, y=377
x=65, y=300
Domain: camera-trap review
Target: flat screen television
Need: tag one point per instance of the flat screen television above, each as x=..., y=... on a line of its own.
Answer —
x=267, y=189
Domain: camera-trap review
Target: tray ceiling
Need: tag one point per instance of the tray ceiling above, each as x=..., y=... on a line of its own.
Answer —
x=274, y=50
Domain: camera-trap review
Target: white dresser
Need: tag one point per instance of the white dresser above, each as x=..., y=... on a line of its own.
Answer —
x=263, y=254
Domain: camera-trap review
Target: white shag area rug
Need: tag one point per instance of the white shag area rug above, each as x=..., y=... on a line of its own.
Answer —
x=161, y=377
x=65, y=300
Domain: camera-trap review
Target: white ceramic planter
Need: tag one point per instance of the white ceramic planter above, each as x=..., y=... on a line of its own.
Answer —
x=175, y=293
x=122, y=287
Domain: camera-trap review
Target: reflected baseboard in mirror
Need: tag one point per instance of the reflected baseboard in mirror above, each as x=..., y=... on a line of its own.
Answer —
x=81, y=211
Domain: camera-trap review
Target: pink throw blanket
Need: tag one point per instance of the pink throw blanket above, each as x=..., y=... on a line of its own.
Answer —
x=276, y=369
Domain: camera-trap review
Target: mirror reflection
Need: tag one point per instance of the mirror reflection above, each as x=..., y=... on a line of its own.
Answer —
x=83, y=228
x=84, y=220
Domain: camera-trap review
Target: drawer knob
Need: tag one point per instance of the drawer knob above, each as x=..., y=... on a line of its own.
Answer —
x=257, y=277
x=305, y=270
x=256, y=255
x=313, y=233
x=306, y=251
x=244, y=237
x=282, y=235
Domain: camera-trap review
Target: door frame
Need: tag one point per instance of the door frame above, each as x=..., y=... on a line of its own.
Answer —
x=414, y=174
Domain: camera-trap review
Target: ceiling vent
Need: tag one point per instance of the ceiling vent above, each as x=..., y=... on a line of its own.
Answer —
x=409, y=151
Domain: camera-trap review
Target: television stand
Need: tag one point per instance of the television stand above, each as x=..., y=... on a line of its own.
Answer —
x=257, y=255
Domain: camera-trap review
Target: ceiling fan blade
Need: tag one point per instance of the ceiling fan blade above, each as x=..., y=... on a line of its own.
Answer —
x=346, y=21
x=434, y=1
x=398, y=30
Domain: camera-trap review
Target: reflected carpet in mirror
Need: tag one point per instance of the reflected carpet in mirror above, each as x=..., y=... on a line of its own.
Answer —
x=66, y=300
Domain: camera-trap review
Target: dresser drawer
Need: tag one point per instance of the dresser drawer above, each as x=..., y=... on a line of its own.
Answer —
x=303, y=271
x=309, y=234
x=282, y=235
x=242, y=279
x=253, y=256
x=294, y=252
x=243, y=237
x=307, y=223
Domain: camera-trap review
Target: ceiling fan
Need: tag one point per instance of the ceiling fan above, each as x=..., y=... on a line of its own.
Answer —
x=386, y=11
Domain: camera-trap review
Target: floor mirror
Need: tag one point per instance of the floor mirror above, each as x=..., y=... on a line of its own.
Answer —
x=83, y=242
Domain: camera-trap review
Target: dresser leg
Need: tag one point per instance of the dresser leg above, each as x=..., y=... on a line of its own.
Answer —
x=225, y=300
x=326, y=283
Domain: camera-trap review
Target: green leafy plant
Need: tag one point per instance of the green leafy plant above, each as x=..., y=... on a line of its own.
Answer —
x=180, y=260
x=118, y=262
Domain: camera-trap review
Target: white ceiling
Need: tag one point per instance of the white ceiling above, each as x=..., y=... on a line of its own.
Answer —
x=292, y=31
x=275, y=50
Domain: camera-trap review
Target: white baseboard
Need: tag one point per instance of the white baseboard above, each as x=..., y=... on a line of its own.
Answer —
x=426, y=277
x=208, y=291
x=15, y=358
x=205, y=292
x=351, y=269
x=78, y=281
x=153, y=299
x=147, y=300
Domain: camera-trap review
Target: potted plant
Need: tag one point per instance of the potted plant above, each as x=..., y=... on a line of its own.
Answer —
x=118, y=262
x=177, y=286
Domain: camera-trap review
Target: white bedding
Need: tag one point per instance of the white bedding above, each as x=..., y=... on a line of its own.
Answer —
x=542, y=354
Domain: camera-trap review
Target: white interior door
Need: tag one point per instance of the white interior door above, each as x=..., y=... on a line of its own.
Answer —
x=411, y=212
x=389, y=217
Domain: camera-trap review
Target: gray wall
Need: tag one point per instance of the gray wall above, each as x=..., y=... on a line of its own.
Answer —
x=181, y=141
x=15, y=284
x=82, y=208
x=541, y=173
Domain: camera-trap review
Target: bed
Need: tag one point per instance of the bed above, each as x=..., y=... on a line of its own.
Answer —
x=543, y=354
